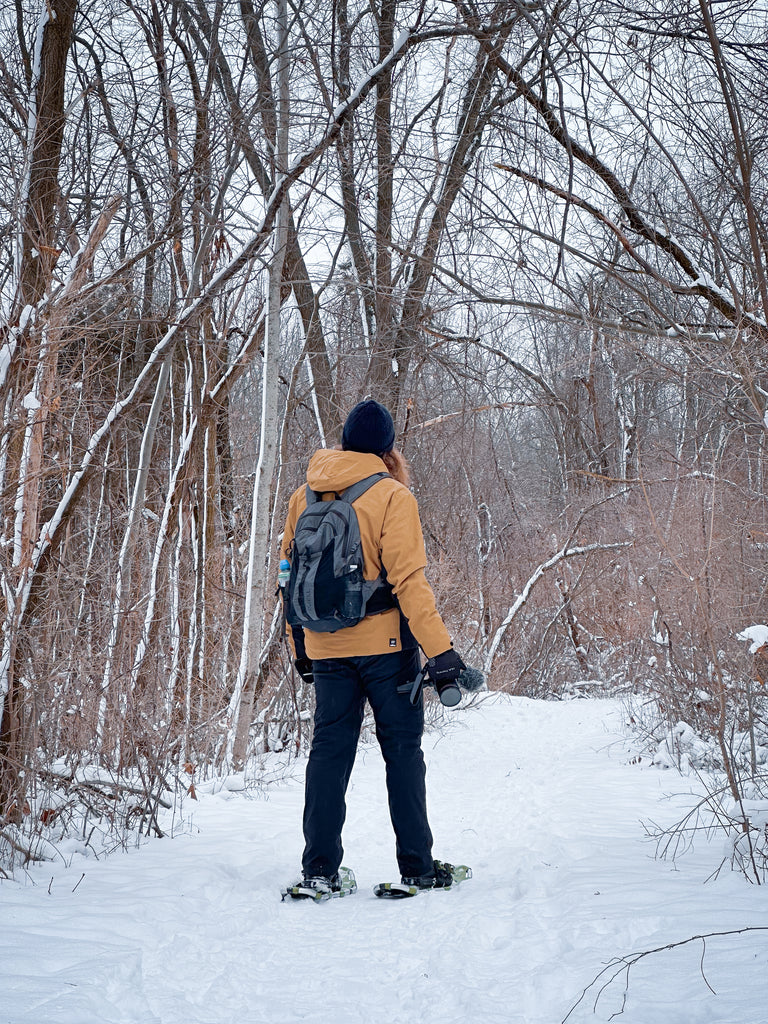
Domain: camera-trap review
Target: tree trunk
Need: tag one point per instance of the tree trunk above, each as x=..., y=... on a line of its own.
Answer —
x=36, y=257
x=243, y=699
x=37, y=252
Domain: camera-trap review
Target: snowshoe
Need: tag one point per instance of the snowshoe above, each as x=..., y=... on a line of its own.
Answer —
x=319, y=889
x=445, y=877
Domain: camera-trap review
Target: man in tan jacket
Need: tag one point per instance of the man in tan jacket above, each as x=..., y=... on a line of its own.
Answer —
x=371, y=659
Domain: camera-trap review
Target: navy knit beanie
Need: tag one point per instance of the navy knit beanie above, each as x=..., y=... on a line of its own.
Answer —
x=369, y=428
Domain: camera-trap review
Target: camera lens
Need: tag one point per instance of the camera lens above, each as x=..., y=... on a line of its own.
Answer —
x=449, y=693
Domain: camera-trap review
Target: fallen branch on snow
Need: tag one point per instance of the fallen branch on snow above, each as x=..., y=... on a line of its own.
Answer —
x=624, y=964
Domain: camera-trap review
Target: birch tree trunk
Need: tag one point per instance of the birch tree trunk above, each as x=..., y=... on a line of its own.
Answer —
x=123, y=581
x=243, y=698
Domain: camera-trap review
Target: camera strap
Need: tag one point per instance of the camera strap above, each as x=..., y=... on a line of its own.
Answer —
x=415, y=687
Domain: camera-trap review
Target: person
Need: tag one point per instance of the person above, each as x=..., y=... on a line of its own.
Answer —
x=372, y=659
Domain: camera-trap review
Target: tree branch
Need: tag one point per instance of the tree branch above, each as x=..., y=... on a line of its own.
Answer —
x=525, y=593
x=624, y=964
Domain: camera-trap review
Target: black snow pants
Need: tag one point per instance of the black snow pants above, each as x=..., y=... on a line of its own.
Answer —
x=342, y=686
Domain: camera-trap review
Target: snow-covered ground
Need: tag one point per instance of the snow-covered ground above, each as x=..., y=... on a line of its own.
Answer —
x=540, y=798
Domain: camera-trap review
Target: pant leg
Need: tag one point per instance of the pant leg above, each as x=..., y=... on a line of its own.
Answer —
x=399, y=727
x=338, y=718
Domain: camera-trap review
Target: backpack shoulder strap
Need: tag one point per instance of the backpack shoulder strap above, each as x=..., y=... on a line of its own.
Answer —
x=353, y=493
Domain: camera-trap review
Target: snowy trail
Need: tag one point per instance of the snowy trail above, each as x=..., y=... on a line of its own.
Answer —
x=541, y=800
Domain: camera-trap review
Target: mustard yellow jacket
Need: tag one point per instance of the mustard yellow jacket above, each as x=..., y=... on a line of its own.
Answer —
x=391, y=535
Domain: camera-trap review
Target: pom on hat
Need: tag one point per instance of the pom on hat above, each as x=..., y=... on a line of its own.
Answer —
x=369, y=428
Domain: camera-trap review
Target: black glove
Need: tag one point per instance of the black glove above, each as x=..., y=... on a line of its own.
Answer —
x=304, y=668
x=444, y=670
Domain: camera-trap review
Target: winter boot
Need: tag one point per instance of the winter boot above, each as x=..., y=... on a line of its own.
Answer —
x=441, y=877
x=320, y=888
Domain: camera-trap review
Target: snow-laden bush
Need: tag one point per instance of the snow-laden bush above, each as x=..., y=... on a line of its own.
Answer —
x=87, y=810
x=721, y=739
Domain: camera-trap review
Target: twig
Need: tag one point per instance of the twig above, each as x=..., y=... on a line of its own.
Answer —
x=701, y=965
x=28, y=854
x=624, y=964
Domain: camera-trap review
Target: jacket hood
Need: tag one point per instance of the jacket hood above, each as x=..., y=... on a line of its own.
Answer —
x=333, y=470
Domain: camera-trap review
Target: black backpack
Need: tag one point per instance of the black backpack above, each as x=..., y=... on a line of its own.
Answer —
x=326, y=590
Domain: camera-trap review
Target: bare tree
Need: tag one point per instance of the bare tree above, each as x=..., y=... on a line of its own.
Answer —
x=508, y=221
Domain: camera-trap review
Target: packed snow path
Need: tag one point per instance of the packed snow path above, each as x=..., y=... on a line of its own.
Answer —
x=540, y=798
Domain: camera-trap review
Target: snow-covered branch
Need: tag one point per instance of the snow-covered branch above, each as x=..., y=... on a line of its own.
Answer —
x=525, y=593
x=49, y=532
x=702, y=284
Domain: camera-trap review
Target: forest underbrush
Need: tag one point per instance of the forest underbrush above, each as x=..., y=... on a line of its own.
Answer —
x=678, y=720
x=719, y=746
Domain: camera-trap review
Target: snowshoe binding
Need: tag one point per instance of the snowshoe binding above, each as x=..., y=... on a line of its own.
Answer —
x=445, y=876
x=319, y=888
